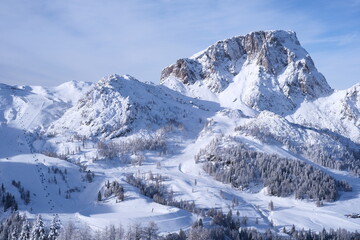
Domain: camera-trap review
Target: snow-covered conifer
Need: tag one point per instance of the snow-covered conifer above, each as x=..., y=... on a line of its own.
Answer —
x=55, y=227
x=25, y=230
x=38, y=229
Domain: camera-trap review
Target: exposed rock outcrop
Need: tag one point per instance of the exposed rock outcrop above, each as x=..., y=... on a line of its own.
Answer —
x=273, y=61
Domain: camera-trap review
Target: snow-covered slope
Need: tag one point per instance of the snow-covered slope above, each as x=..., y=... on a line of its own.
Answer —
x=339, y=113
x=118, y=105
x=267, y=70
x=324, y=147
x=38, y=106
x=203, y=137
x=263, y=70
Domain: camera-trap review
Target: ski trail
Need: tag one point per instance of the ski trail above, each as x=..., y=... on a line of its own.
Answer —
x=39, y=169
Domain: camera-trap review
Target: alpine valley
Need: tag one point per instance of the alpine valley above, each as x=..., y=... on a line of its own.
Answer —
x=245, y=139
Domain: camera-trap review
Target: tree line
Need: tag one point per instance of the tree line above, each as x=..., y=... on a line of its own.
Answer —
x=148, y=141
x=19, y=227
x=111, y=189
x=8, y=200
x=240, y=166
x=334, y=151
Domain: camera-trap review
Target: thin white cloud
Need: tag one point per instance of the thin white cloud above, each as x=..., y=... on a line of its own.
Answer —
x=87, y=39
x=341, y=40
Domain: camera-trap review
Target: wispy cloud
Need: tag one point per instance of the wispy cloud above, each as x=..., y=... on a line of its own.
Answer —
x=87, y=39
x=341, y=40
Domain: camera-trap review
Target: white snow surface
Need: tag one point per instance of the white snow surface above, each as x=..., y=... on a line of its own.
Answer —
x=339, y=113
x=38, y=106
x=72, y=118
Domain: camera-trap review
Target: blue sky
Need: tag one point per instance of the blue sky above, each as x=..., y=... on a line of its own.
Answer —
x=50, y=42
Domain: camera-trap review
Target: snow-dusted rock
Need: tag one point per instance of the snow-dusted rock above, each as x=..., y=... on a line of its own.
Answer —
x=260, y=93
x=266, y=70
x=339, y=112
x=117, y=105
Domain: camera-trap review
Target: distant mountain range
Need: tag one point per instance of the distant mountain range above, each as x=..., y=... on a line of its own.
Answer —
x=250, y=114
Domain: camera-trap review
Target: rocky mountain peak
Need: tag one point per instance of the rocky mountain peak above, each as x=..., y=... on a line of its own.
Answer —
x=262, y=62
x=114, y=81
x=351, y=105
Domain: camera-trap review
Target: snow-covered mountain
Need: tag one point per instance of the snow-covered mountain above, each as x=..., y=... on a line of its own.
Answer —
x=37, y=106
x=118, y=105
x=267, y=70
x=263, y=70
x=247, y=122
x=338, y=112
x=321, y=146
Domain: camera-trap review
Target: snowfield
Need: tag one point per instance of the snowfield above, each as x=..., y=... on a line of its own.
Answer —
x=64, y=144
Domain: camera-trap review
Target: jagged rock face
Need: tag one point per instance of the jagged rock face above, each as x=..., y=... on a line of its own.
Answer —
x=351, y=105
x=274, y=62
x=186, y=70
x=338, y=112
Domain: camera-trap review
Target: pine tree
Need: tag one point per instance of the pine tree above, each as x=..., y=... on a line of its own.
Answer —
x=25, y=231
x=55, y=227
x=182, y=235
x=271, y=205
x=112, y=233
x=38, y=230
x=120, y=232
x=151, y=231
x=99, y=198
x=14, y=234
x=68, y=231
x=292, y=229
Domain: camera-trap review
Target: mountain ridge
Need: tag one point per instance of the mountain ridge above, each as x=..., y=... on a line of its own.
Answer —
x=249, y=130
x=117, y=105
x=267, y=62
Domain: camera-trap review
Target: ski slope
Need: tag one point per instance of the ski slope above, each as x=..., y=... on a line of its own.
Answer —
x=240, y=89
